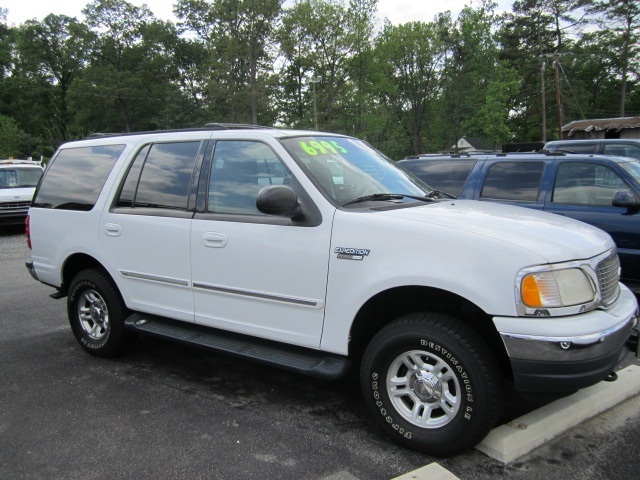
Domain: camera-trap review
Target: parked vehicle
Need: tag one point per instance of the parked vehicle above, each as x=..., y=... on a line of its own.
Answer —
x=603, y=191
x=312, y=252
x=18, y=180
x=622, y=147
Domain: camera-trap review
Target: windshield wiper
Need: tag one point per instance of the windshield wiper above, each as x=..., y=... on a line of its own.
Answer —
x=386, y=196
x=438, y=193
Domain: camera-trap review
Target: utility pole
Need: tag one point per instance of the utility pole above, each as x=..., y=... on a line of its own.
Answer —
x=544, y=102
x=559, y=113
x=313, y=81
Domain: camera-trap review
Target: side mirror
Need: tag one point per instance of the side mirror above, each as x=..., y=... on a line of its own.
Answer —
x=626, y=199
x=278, y=200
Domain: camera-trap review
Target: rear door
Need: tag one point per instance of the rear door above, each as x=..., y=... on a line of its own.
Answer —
x=447, y=175
x=518, y=182
x=146, y=233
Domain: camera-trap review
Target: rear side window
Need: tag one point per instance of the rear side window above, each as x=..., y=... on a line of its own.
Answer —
x=160, y=176
x=515, y=181
x=75, y=177
x=448, y=176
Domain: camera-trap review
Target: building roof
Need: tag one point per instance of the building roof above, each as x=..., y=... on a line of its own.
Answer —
x=601, y=124
x=473, y=143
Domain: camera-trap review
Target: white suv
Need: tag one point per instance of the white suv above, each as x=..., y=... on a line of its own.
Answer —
x=312, y=252
x=18, y=180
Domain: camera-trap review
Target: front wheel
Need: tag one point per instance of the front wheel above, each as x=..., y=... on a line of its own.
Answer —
x=431, y=383
x=97, y=313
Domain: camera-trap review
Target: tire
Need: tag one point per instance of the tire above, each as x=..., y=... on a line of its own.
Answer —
x=431, y=383
x=96, y=314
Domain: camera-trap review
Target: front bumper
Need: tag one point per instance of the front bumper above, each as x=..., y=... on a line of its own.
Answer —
x=13, y=217
x=564, y=354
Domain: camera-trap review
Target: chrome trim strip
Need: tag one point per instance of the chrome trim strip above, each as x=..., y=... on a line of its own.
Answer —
x=154, y=278
x=263, y=296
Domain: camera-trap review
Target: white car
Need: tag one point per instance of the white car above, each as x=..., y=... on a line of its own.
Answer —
x=312, y=252
x=18, y=180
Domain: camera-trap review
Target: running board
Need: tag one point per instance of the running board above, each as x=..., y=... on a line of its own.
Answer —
x=296, y=359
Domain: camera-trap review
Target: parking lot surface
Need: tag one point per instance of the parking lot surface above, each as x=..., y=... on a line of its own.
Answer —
x=169, y=411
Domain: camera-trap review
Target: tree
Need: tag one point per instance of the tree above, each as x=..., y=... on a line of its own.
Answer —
x=298, y=59
x=131, y=79
x=360, y=15
x=536, y=34
x=238, y=37
x=411, y=57
x=11, y=138
x=5, y=44
x=492, y=117
x=477, y=87
x=54, y=50
x=620, y=31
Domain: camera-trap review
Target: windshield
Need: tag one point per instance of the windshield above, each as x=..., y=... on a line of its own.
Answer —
x=347, y=169
x=19, y=177
x=632, y=168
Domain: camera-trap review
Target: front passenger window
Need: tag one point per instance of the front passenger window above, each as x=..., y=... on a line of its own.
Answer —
x=240, y=170
x=579, y=183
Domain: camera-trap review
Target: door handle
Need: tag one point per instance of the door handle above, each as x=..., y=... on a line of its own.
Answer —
x=112, y=230
x=214, y=240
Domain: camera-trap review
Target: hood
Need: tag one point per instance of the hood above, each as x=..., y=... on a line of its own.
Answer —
x=23, y=194
x=554, y=237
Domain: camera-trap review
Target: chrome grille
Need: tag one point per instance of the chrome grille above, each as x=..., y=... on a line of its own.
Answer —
x=15, y=206
x=608, y=272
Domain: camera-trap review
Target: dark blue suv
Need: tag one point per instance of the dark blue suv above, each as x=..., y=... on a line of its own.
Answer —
x=597, y=189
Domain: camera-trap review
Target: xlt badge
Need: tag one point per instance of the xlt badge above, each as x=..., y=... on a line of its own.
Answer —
x=351, y=253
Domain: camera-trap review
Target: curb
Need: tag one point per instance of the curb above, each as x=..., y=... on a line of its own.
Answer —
x=518, y=437
x=433, y=471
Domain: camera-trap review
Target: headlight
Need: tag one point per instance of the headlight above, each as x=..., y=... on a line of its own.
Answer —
x=556, y=288
x=568, y=288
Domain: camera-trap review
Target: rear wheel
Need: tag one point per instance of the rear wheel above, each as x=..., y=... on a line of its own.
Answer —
x=97, y=313
x=431, y=383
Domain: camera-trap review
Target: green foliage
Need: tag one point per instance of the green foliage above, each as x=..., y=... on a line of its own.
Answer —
x=409, y=88
x=11, y=138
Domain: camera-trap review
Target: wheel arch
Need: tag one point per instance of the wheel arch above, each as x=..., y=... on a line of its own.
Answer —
x=390, y=304
x=76, y=263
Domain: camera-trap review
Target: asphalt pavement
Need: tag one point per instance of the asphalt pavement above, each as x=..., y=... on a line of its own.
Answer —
x=166, y=411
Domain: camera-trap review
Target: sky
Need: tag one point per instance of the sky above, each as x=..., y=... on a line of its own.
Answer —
x=397, y=11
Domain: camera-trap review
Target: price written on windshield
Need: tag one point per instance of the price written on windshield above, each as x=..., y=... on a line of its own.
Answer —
x=323, y=147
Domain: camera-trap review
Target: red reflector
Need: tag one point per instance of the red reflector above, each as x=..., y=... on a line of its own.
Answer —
x=27, y=231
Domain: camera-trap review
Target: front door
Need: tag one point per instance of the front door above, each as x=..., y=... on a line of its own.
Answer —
x=252, y=273
x=584, y=190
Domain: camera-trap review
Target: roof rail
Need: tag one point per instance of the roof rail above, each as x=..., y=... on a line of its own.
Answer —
x=207, y=127
x=232, y=126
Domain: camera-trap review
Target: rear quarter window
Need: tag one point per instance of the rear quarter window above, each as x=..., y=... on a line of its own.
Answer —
x=580, y=147
x=448, y=176
x=75, y=177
